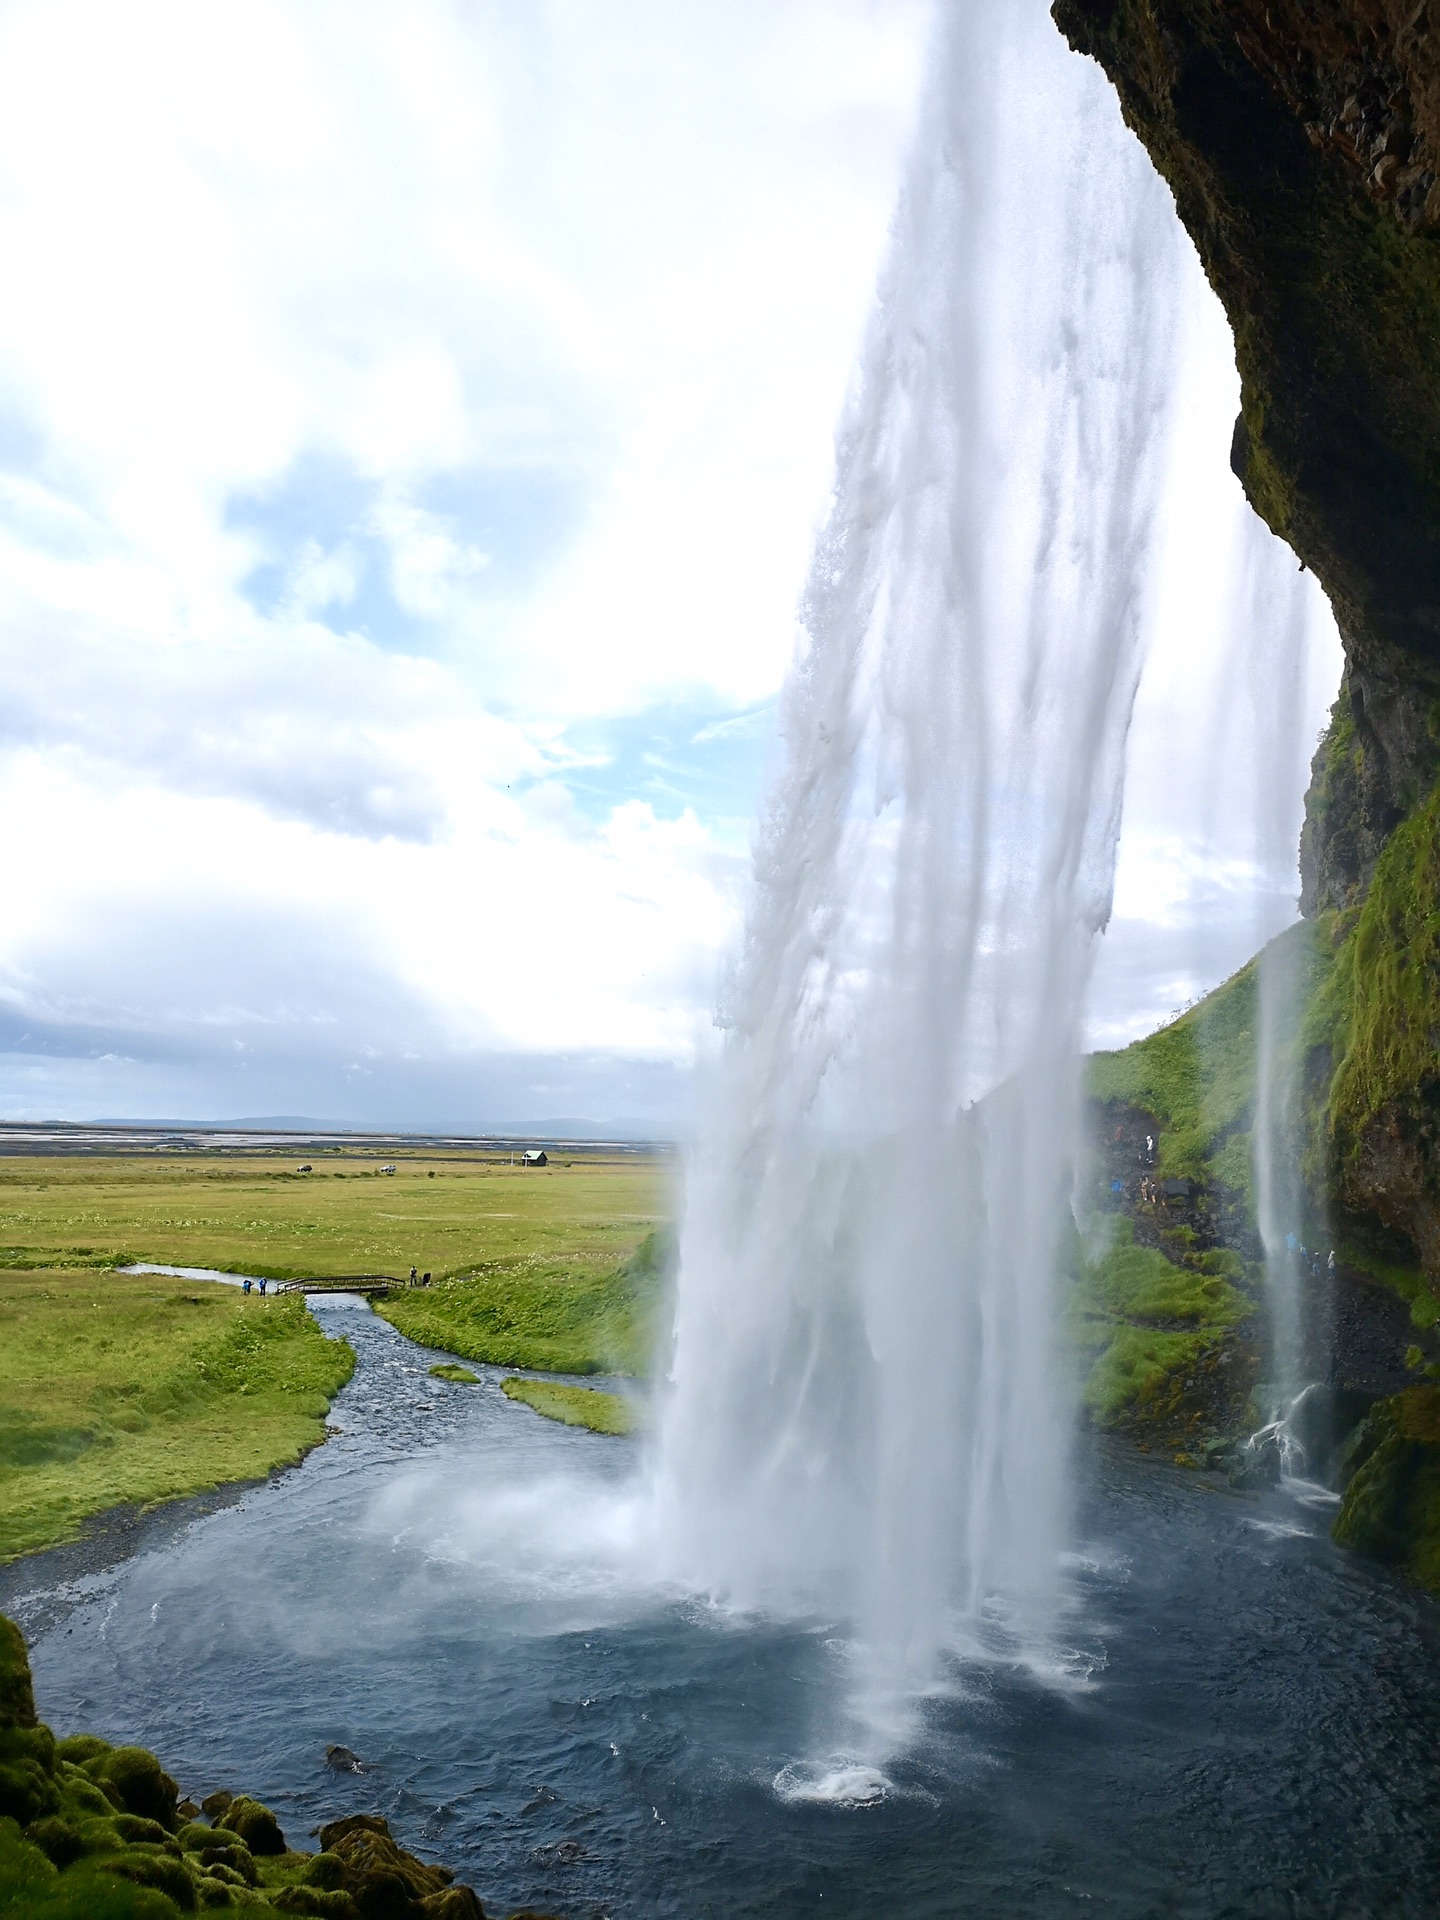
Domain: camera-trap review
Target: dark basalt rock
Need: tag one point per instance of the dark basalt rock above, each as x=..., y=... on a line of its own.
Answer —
x=1302, y=144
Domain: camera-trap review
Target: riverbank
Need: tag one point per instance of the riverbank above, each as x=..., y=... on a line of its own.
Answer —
x=122, y=1391
x=588, y=1407
x=543, y=1316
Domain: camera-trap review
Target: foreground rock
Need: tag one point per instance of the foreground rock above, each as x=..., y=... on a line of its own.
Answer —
x=89, y=1831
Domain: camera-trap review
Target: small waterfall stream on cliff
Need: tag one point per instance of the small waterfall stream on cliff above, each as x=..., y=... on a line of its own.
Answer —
x=1276, y=615
x=864, y=1413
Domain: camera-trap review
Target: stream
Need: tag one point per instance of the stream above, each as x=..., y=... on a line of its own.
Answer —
x=1238, y=1718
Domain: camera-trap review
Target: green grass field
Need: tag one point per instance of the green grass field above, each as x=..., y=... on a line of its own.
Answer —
x=138, y=1388
x=255, y=1214
x=118, y=1388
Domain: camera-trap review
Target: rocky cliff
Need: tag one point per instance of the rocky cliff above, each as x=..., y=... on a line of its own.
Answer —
x=1301, y=139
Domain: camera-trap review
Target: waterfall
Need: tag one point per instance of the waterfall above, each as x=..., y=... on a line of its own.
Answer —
x=865, y=1411
x=1275, y=618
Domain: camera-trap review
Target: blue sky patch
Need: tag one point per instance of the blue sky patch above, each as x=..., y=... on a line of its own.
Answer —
x=674, y=756
x=328, y=534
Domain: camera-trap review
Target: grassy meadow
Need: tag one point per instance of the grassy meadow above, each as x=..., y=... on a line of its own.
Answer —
x=254, y=1213
x=119, y=1388
x=137, y=1388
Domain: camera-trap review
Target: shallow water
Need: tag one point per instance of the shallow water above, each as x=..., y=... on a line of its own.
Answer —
x=194, y=1273
x=1238, y=1718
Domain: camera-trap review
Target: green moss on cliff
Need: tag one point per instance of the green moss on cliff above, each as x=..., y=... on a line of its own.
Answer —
x=1391, y=1509
x=1145, y=1325
x=1198, y=1076
x=1392, y=972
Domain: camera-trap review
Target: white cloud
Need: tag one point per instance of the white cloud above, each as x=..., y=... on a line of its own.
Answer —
x=384, y=392
x=380, y=391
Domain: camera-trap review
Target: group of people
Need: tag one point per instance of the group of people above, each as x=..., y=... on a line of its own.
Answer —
x=1310, y=1257
x=423, y=1281
x=247, y=1284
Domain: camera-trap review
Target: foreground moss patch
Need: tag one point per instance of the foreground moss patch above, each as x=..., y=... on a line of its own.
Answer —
x=120, y=1388
x=574, y=1406
x=94, y=1832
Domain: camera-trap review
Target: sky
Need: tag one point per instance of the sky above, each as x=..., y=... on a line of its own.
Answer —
x=413, y=427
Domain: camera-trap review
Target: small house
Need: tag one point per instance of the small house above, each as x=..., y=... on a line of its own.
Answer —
x=534, y=1157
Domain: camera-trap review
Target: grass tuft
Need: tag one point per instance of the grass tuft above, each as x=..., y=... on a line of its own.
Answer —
x=574, y=1406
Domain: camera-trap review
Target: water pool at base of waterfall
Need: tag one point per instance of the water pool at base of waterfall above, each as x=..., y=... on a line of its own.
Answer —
x=1238, y=1717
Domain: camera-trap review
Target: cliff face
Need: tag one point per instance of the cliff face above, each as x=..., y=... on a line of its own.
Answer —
x=1301, y=139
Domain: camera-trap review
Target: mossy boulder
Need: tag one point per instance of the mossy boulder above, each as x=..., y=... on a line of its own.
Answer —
x=325, y=1870
x=151, y=1867
x=317, y=1901
x=138, y=1784
x=17, y=1695
x=90, y=1831
x=56, y=1838
x=28, y=1788
x=1391, y=1508
x=386, y=1882
x=255, y=1824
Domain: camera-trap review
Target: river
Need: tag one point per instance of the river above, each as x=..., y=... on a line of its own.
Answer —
x=1237, y=1719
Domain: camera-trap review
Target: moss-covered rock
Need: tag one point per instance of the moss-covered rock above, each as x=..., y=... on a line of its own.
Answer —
x=89, y=1831
x=256, y=1825
x=1391, y=1508
x=17, y=1698
x=138, y=1784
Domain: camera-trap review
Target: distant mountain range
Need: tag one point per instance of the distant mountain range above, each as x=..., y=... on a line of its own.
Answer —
x=571, y=1128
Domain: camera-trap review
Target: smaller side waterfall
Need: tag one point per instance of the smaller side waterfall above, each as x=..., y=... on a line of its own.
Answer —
x=1275, y=611
x=865, y=1416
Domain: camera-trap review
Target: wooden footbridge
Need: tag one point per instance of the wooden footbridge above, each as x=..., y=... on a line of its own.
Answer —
x=344, y=1283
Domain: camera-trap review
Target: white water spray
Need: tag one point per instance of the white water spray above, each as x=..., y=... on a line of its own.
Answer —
x=865, y=1412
